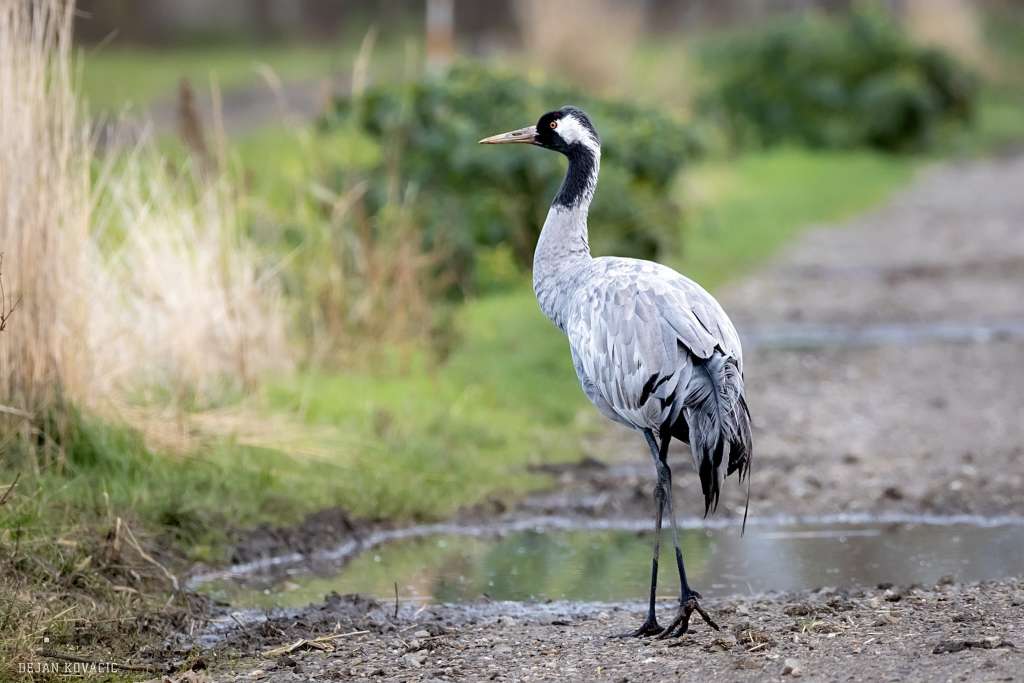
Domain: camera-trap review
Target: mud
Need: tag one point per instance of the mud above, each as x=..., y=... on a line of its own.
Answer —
x=906, y=424
x=949, y=632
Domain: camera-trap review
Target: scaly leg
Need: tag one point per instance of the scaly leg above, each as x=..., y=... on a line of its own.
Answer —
x=687, y=596
x=650, y=627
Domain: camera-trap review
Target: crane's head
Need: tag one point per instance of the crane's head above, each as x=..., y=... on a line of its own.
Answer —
x=566, y=130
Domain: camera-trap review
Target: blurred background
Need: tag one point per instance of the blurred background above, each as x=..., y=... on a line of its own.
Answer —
x=288, y=279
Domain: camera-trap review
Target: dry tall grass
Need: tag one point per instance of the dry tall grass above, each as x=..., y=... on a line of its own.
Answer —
x=45, y=208
x=137, y=284
x=952, y=25
x=187, y=310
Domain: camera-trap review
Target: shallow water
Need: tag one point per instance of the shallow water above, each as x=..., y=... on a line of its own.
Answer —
x=612, y=564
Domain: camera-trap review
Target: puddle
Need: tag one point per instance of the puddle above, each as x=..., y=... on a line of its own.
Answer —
x=810, y=336
x=608, y=562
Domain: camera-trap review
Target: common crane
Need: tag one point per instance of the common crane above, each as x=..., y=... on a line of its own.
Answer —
x=652, y=349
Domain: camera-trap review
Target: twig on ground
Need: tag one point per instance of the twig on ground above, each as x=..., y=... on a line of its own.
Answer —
x=5, y=313
x=240, y=624
x=10, y=488
x=50, y=654
x=321, y=643
x=146, y=556
x=396, y=600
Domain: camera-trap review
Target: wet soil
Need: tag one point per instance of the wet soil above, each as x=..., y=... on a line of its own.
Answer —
x=934, y=426
x=949, y=632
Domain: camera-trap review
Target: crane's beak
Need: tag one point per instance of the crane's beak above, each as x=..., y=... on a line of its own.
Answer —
x=526, y=135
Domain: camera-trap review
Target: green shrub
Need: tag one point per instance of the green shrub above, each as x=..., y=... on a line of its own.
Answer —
x=842, y=82
x=469, y=197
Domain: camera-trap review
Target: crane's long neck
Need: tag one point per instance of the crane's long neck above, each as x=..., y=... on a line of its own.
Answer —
x=563, y=250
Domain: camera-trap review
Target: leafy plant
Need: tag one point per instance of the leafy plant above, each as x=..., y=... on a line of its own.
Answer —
x=840, y=82
x=468, y=197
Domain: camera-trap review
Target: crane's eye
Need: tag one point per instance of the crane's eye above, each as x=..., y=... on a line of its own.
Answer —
x=553, y=124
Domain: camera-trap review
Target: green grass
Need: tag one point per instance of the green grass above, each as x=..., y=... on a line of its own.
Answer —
x=743, y=210
x=114, y=77
x=425, y=441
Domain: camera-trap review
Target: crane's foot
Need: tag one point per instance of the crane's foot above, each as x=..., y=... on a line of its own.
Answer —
x=650, y=627
x=681, y=624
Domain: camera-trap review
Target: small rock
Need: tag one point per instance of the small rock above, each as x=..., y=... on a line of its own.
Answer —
x=791, y=667
x=747, y=663
x=799, y=610
x=893, y=595
x=421, y=634
x=414, y=660
x=885, y=620
x=893, y=493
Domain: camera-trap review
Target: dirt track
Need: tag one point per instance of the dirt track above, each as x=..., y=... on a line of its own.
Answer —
x=932, y=427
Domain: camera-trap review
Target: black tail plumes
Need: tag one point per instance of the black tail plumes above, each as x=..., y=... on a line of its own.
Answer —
x=715, y=421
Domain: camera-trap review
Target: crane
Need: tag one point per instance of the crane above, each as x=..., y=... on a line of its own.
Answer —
x=652, y=349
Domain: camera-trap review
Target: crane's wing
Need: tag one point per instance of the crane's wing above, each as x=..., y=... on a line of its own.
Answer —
x=635, y=335
x=651, y=346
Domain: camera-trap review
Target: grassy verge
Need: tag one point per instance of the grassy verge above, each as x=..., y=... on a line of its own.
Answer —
x=115, y=77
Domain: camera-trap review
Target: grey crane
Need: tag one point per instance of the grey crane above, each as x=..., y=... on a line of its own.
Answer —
x=652, y=349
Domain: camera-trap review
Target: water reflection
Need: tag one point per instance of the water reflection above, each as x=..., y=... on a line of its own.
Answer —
x=611, y=565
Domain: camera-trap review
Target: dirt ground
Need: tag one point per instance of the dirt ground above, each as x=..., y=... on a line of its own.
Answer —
x=929, y=427
x=948, y=632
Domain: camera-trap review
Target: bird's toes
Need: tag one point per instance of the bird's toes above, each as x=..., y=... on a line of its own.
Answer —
x=678, y=627
x=693, y=606
x=648, y=628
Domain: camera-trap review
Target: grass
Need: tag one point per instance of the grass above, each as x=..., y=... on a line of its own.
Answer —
x=114, y=77
x=745, y=209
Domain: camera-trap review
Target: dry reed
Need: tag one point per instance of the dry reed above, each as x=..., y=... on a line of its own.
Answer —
x=44, y=209
x=137, y=284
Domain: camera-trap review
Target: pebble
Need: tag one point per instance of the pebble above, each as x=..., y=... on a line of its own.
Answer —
x=414, y=660
x=422, y=633
x=791, y=667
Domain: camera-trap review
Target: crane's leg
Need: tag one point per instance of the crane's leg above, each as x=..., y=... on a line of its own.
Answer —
x=650, y=627
x=687, y=596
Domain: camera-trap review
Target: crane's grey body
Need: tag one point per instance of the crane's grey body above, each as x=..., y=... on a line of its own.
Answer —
x=650, y=346
x=652, y=349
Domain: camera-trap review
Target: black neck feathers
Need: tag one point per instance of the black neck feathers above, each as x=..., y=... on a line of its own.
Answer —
x=580, y=178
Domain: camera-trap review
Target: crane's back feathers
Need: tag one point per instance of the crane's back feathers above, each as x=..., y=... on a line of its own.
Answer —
x=653, y=350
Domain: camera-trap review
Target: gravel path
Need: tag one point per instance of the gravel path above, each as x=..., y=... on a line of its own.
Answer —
x=933, y=427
